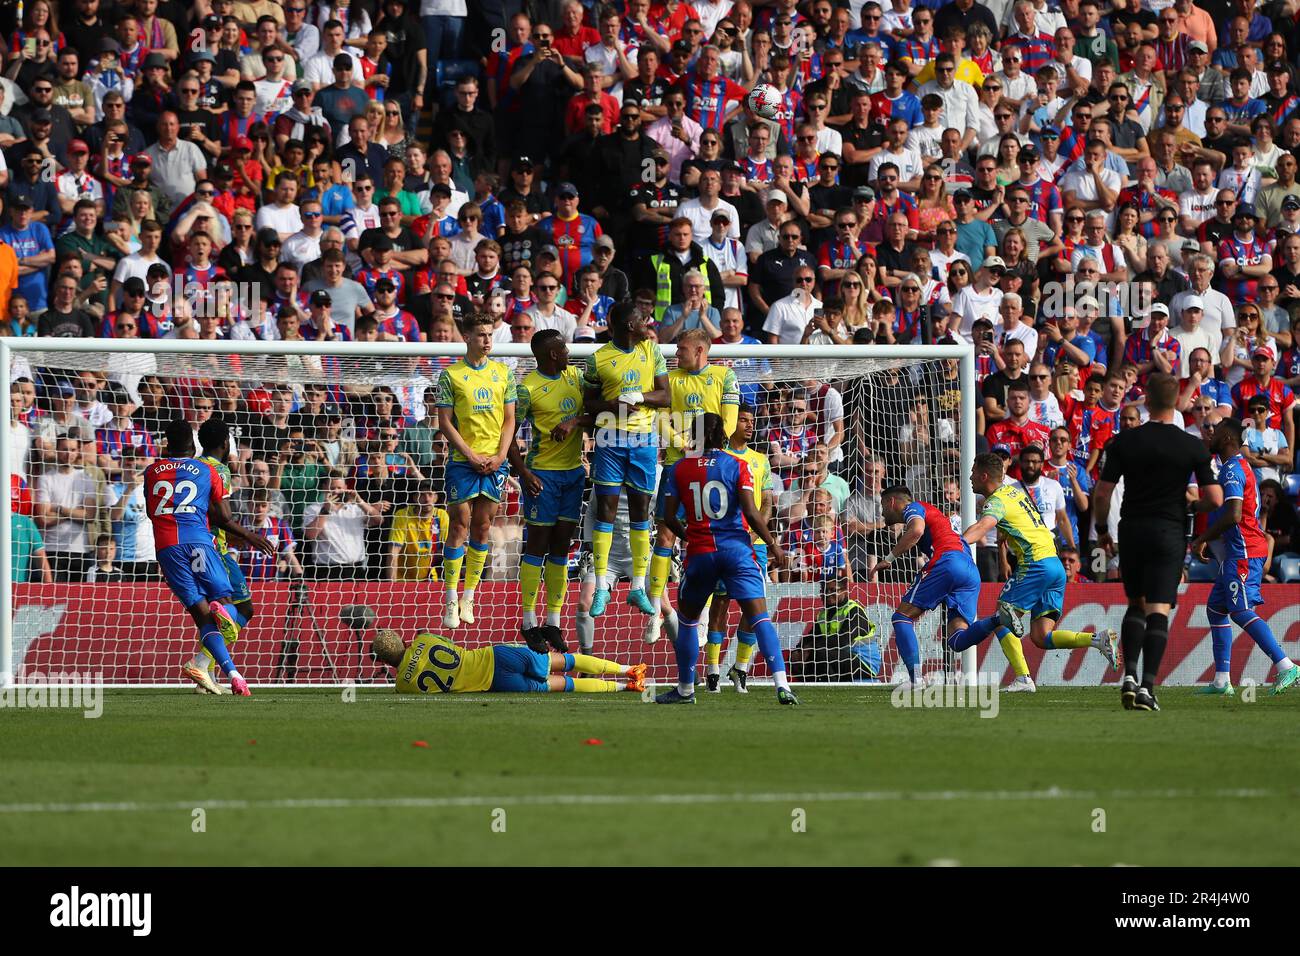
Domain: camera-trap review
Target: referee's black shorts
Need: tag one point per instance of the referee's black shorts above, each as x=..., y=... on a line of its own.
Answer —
x=1151, y=560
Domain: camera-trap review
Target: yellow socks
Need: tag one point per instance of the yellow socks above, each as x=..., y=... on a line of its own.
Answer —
x=1015, y=654
x=1069, y=639
x=557, y=584
x=594, y=685
x=475, y=558
x=659, y=565
x=602, y=539
x=639, y=544
x=586, y=664
x=452, y=561
x=530, y=581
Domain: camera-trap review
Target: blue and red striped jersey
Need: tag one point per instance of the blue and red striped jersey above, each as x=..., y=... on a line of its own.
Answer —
x=706, y=100
x=709, y=487
x=1245, y=539
x=1241, y=287
x=906, y=107
x=402, y=325
x=575, y=238
x=939, y=538
x=111, y=441
x=1035, y=52
x=177, y=492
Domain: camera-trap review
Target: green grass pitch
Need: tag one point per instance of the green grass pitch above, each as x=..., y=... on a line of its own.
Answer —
x=301, y=777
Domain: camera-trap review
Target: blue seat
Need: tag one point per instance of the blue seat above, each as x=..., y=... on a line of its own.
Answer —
x=1200, y=572
x=1291, y=485
x=1288, y=568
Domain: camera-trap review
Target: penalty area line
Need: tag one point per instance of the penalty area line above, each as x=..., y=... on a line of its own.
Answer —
x=596, y=799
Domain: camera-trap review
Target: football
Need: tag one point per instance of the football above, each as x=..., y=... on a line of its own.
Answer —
x=763, y=100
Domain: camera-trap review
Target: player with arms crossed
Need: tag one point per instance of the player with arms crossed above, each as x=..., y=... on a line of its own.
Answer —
x=718, y=492
x=552, y=475
x=214, y=439
x=476, y=413
x=626, y=448
x=182, y=494
x=1037, y=587
x=434, y=665
x=694, y=387
x=1241, y=548
x=949, y=577
x=761, y=471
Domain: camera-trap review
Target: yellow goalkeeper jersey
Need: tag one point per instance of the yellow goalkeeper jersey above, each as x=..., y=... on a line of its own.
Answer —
x=711, y=389
x=547, y=402
x=616, y=372
x=420, y=539
x=434, y=665
x=219, y=534
x=478, y=398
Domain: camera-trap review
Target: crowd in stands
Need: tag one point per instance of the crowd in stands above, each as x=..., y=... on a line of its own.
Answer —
x=1088, y=192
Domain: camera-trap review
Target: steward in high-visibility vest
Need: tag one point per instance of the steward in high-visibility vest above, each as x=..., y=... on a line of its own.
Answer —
x=841, y=644
x=663, y=272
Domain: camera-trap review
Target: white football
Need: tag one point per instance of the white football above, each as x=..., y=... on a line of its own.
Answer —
x=763, y=100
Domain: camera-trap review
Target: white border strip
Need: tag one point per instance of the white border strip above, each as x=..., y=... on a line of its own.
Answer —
x=596, y=799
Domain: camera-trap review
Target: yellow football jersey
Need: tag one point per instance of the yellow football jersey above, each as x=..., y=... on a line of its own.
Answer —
x=419, y=538
x=227, y=481
x=547, y=402
x=711, y=389
x=616, y=372
x=478, y=398
x=760, y=469
x=1027, y=534
x=434, y=665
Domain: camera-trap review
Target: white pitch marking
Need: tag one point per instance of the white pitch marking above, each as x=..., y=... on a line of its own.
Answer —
x=596, y=799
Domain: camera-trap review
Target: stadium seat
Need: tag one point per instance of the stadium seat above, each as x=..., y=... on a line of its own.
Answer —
x=445, y=75
x=1288, y=568
x=1291, y=485
x=1201, y=571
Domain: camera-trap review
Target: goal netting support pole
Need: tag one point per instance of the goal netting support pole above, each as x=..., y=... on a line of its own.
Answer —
x=837, y=423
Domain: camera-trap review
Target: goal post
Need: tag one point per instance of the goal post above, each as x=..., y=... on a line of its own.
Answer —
x=908, y=415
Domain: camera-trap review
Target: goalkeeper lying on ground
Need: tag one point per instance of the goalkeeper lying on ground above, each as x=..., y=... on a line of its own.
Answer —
x=434, y=665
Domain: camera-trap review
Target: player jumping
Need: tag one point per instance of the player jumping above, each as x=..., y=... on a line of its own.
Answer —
x=214, y=439
x=761, y=471
x=949, y=577
x=694, y=387
x=476, y=413
x=552, y=475
x=1242, y=554
x=626, y=447
x=1038, y=585
x=434, y=665
x=718, y=492
x=182, y=494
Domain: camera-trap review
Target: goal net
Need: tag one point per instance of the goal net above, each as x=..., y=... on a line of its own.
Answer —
x=836, y=423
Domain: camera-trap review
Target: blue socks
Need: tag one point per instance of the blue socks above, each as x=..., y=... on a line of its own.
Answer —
x=769, y=644
x=1221, y=636
x=715, y=637
x=1259, y=632
x=687, y=647
x=973, y=635
x=905, y=639
x=746, y=637
x=215, y=645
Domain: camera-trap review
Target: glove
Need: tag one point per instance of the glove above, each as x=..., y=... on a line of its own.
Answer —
x=631, y=398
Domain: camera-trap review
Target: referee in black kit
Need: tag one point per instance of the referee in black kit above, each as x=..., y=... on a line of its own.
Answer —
x=1157, y=461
